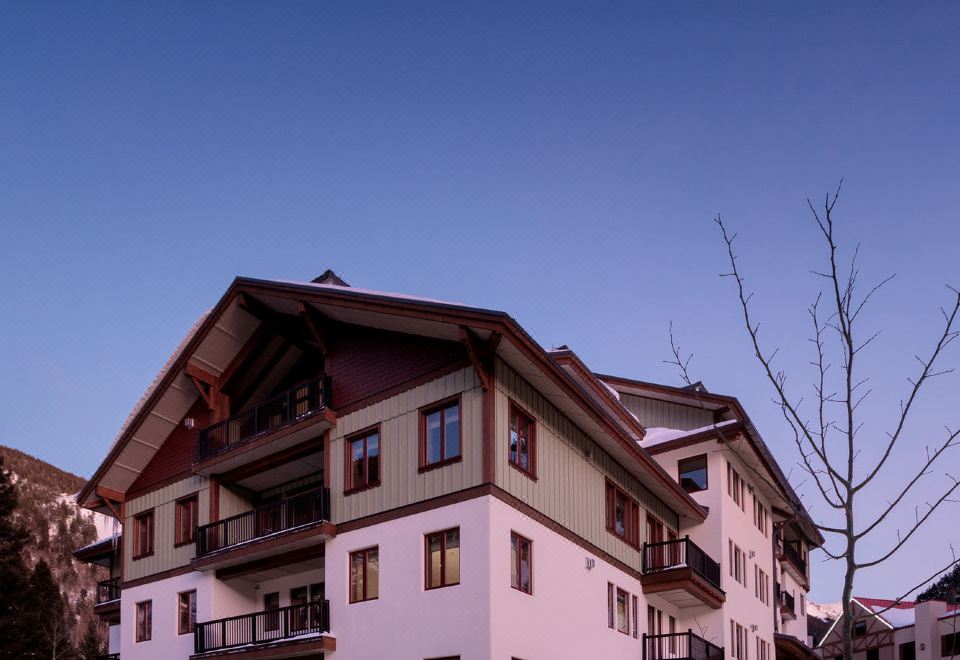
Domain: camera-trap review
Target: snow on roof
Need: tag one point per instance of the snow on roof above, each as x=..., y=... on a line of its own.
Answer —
x=658, y=435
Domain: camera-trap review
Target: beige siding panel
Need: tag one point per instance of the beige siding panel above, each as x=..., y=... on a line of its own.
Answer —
x=165, y=556
x=570, y=487
x=665, y=414
x=232, y=504
x=399, y=417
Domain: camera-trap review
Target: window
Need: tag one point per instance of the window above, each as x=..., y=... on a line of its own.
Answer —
x=908, y=651
x=299, y=614
x=762, y=590
x=693, y=473
x=523, y=448
x=186, y=612
x=187, y=511
x=623, y=515
x=873, y=654
x=736, y=487
x=443, y=558
x=611, y=616
x=859, y=628
x=440, y=435
x=364, y=575
x=763, y=650
x=803, y=606
x=521, y=559
x=144, y=621
x=950, y=645
x=143, y=534
x=760, y=516
x=672, y=629
x=363, y=461
x=623, y=612
x=738, y=563
x=636, y=618
x=271, y=604
x=739, y=641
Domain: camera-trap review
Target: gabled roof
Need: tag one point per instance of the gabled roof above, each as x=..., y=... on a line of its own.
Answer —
x=221, y=334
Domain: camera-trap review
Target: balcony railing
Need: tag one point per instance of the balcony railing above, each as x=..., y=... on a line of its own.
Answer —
x=677, y=553
x=268, y=626
x=290, y=406
x=109, y=656
x=792, y=554
x=295, y=511
x=108, y=590
x=787, y=602
x=679, y=646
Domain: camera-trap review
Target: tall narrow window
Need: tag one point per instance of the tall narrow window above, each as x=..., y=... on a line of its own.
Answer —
x=186, y=520
x=145, y=621
x=636, y=618
x=440, y=435
x=908, y=651
x=521, y=555
x=623, y=515
x=363, y=460
x=299, y=612
x=186, y=612
x=693, y=473
x=623, y=611
x=364, y=575
x=443, y=558
x=143, y=534
x=522, y=451
x=611, y=609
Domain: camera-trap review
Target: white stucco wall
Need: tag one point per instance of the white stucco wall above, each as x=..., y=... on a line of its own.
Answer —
x=165, y=643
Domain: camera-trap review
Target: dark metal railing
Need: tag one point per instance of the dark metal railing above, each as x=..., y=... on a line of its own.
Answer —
x=679, y=646
x=664, y=555
x=792, y=554
x=297, y=403
x=109, y=656
x=294, y=511
x=108, y=590
x=262, y=627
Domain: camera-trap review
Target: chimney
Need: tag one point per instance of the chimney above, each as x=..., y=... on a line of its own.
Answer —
x=329, y=277
x=927, y=628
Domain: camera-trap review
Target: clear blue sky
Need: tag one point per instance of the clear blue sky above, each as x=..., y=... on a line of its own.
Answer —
x=558, y=161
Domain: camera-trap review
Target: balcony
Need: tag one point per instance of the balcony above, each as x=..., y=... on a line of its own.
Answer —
x=292, y=524
x=281, y=423
x=682, y=574
x=789, y=554
x=786, y=603
x=286, y=632
x=107, y=605
x=679, y=646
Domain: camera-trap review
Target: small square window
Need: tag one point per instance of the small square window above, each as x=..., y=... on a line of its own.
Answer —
x=693, y=473
x=443, y=558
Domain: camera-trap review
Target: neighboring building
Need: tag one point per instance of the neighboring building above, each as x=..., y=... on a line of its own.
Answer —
x=897, y=630
x=321, y=469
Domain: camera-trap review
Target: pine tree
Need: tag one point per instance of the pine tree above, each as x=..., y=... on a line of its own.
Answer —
x=946, y=588
x=13, y=572
x=91, y=647
x=50, y=625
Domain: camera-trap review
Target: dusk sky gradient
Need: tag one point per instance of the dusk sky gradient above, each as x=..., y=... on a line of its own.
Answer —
x=562, y=162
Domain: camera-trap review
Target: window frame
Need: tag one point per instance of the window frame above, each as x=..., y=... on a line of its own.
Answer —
x=178, y=539
x=424, y=411
x=625, y=630
x=366, y=581
x=706, y=471
x=428, y=566
x=192, y=611
x=517, y=411
x=138, y=522
x=631, y=525
x=349, y=487
x=520, y=539
x=144, y=634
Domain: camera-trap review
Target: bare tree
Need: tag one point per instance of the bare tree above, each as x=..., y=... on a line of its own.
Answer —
x=828, y=437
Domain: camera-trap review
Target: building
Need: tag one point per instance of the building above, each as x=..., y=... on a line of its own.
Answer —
x=897, y=630
x=320, y=469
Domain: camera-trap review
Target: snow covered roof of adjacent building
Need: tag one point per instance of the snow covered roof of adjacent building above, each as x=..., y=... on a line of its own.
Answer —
x=658, y=435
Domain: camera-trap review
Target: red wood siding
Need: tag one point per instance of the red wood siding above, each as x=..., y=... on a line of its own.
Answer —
x=366, y=361
x=177, y=454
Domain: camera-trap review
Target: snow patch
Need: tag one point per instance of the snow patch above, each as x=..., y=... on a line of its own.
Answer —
x=826, y=611
x=658, y=434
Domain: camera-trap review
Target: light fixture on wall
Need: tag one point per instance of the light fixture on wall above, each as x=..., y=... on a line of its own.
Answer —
x=189, y=422
x=590, y=563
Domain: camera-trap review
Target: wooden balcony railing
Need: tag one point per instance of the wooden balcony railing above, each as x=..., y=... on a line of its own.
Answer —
x=290, y=406
x=679, y=646
x=266, y=627
x=295, y=511
x=108, y=590
x=677, y=553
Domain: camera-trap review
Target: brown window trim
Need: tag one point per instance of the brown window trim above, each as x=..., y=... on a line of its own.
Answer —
x=516, y=409
x=178, y=543
x=366, y=584
x=148, y=628
x=423, y=412
x=610, y=514
x=520, y=540
x=192, y=624
x=152, y=536
x=443, y=559
x=348, y=488
x=626, y=610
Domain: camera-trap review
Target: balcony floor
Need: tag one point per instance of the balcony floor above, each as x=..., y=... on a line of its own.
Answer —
x=683, y=587
x=313, y=534
x=307, y=646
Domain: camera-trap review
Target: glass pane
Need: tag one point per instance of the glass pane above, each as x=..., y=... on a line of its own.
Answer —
x=358, y=473
x=513, y=440
x=622, y=619
x=514, y=550
x=433, y=437
x=452, y=558
x=373, y=459
x=525, y=566
x=451, y=431
x=356, y=576
x=298, y=596
x=373, y=573
x=524, y=450
x=693, y=474
x=433, y=561
x=620, y=515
